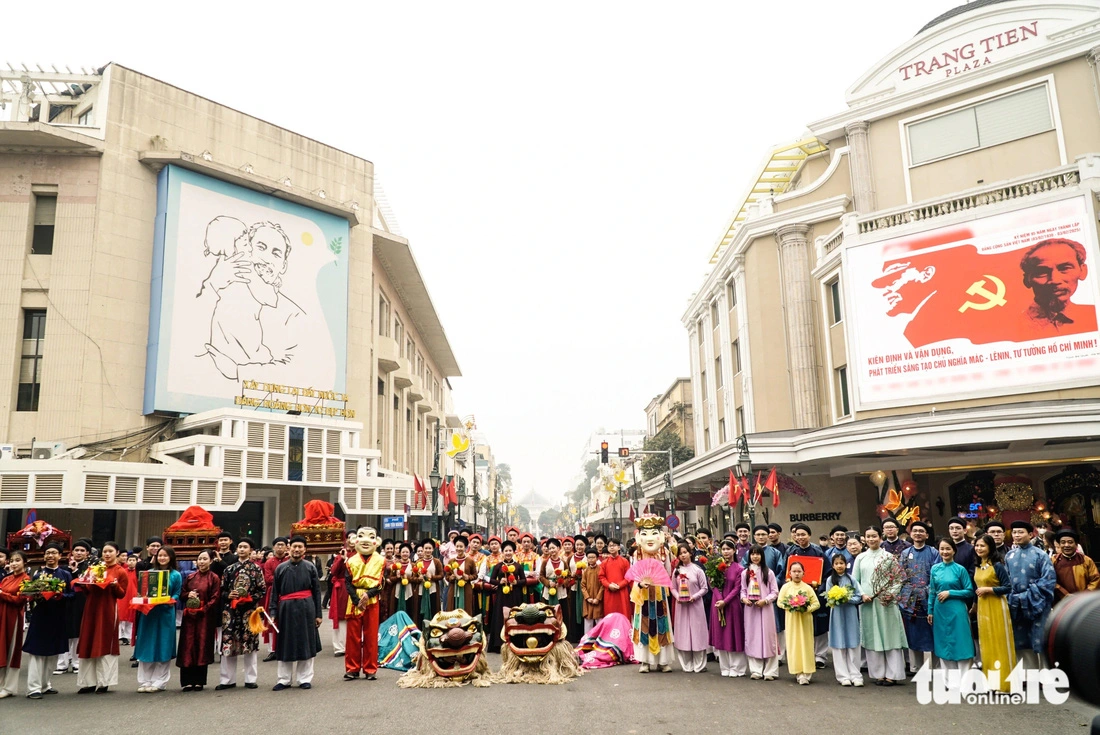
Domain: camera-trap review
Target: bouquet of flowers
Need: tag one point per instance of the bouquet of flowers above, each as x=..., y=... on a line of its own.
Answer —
x=511, y=578
x=716, y=572
x=887, y=580
x=44, y=587
x=838, y=595
x=96, y=575
x=193, y=603
x=798, y=603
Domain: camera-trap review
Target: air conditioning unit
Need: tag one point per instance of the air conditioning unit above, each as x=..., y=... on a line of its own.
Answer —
x=7, y=451
x=47, y=450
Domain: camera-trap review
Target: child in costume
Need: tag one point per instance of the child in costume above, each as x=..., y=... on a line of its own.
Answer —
x=800, y=602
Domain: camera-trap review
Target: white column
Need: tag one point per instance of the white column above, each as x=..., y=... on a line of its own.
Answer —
x=863, y=182
x=712, y=392
x=696, y=385
x=727, y=363
x=798, y=306
x=743, y=344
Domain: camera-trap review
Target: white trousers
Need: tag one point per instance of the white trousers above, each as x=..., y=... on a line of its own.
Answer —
x=126, y=630
x=154, y=674
x=917, y=659
x=218, y=641
x=821, y=646
x=1028, y=658
x=960, y=666
x=645, y=656
x=692, y=662
x=732, y=663
x=886, y=664
x=39, y=669
x=101, y=671
x=589, y=625
x=781, y=642
x=9, y=682
x=846, y=664
x=69, y=659
x=287, y=670
x=339, y=637
x=228, y=670
x=766, y=667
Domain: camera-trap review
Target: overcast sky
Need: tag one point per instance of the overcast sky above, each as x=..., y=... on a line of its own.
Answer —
x=562, y=171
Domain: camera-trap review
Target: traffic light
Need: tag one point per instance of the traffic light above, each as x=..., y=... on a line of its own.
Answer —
x=624, y=451
x=603, y=452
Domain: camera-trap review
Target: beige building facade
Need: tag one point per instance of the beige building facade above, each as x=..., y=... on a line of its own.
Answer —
x=911, y=289
x=200, y=307
x=671, y=411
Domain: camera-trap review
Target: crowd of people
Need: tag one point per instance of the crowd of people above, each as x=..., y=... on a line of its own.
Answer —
x=878, y=600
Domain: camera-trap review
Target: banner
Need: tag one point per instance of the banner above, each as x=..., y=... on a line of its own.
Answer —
x=999, y=305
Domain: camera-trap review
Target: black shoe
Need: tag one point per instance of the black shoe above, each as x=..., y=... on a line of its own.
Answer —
x=197, y=687
x=134, y=665
x=124, y=642
x=51, y=690
x=338, y=655
x=101, y=690
x=221, y=687
x=280, y=687
x=85, y=690
x=34, y=695
x=351, y=675
x=251, y=685
x=372, y=677
x=269, y=657
x=307, y=685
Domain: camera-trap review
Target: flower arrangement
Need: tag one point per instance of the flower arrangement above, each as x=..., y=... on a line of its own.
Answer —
x=716, y=572
x=45, y=587
x=798, y=603
x=838, y=595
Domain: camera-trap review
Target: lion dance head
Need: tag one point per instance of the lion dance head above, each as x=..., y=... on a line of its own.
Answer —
x=535, y=650
x=452, y=653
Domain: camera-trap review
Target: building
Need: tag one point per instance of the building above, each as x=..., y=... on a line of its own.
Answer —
x=200, y=307
x=936, y=361
x=671, y=411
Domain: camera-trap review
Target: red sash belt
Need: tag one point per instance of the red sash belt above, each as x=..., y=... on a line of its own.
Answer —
x=299, y=595
x=240, y=600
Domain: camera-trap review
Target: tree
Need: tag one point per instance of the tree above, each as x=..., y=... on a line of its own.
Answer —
x=548, y=520
x=524, y=515
x=591, y=469
x=655, y=465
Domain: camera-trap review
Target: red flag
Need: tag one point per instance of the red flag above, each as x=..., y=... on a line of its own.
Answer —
x=452, y=493
x=759, y=488
x=772, y=486
x=444, y=495
x=632, y=511
x=734, y=490
x=418, y=492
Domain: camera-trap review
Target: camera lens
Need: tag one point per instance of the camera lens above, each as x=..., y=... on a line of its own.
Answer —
x=1073, y=643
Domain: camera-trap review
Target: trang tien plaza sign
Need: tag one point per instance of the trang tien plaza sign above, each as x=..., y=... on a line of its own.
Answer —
x=319, y=405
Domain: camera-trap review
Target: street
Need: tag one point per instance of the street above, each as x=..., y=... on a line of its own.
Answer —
x=617, y=700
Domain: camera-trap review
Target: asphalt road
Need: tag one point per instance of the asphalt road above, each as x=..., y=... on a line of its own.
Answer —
x=611, y=701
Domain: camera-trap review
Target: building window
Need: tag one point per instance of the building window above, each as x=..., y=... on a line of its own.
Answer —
x=714, y=315
x=718, y=373
x=740, y=416
x=383, y=317
x=1000, y=120
x=87, y=117
x=842, y=390
x=731, y=294
x=381, y=387
x=30, y=366
x=398, y=331
x=45, y=213
x=735, y=348
x=703, y=383
x=721, y=431
x=834, y=300
x=410, y=350
x=706, y=440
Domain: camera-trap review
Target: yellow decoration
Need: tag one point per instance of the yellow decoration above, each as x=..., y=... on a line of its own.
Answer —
x=532, y=642
x=427, y=584
x=506, y=589
x=1014, y=496
x=511, y=568
x=553, y=590
x=307, y=238
x=462, y=583
x=459, y=444
x=404, y=580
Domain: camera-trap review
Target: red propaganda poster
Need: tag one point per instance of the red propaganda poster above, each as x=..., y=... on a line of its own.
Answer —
x=996, y=305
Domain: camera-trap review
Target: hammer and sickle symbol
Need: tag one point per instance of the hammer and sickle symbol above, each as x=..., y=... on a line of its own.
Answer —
x=991, y=299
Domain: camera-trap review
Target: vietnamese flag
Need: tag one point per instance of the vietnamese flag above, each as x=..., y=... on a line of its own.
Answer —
x=772, y=486
x=734, y=490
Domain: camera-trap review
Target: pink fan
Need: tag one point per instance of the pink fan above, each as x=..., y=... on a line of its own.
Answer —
x=650, y=571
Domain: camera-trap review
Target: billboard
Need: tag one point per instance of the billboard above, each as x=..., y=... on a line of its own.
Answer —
x=245, y=287
x=993, y=306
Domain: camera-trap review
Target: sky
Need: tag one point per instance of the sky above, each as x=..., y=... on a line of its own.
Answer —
x=563, y=172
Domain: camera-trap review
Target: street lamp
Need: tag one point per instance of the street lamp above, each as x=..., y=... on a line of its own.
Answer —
x=461, y=495
x=743, y=468
x=436, y=481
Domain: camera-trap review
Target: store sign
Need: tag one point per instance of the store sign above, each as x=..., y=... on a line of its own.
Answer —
x=245, y=287
x=969, y=52
x=393, y=523
x=308, y=401
x=815, y=517
x=994, y=306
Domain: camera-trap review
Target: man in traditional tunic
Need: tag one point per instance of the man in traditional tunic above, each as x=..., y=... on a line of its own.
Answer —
x=964, y=554
x=916, y=562
x=278, y=556
x=891, y=541
x=1033, y=580
x=97, y=648
x=296, y=600
x=46, y=638
x=364, y=585
x=616, y=596
x=74, y=609
x=338, y=604
x=243, y=589
x=1075, y=572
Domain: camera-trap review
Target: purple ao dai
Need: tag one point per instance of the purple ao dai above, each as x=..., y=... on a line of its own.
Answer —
x=731, y=636
x=760, y=637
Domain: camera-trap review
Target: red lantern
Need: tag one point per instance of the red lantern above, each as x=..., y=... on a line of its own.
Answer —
x=909, y=489
x=882, y=512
